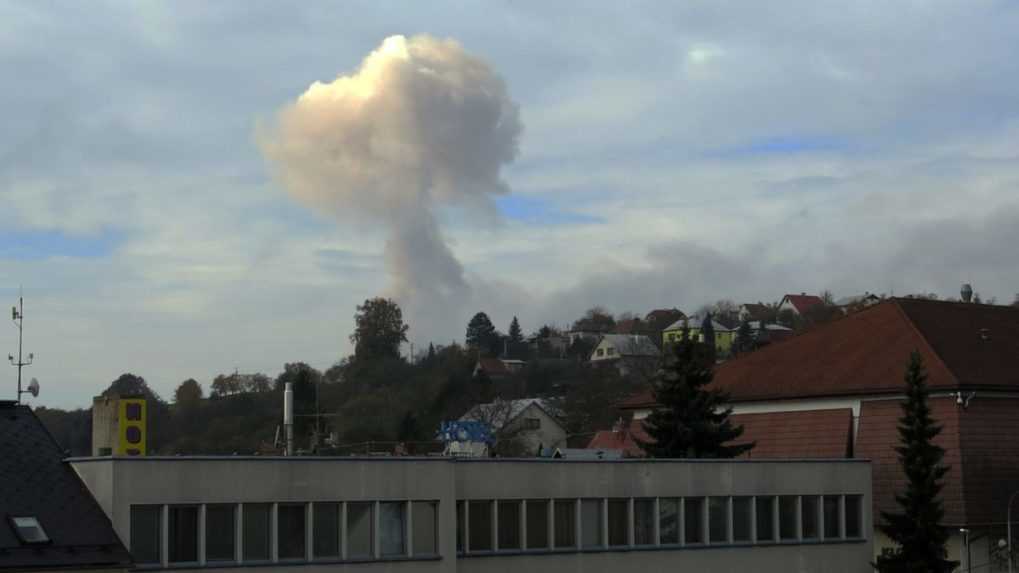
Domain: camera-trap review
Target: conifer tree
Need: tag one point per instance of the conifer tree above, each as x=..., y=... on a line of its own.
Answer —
x=917, y=530
x=515, y=334
x=691, y=421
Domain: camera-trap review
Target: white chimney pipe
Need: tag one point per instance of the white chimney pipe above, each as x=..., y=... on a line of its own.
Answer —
x=288, y=417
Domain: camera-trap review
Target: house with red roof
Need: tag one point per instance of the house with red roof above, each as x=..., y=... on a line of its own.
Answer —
x=835, y=392
x=799, y=304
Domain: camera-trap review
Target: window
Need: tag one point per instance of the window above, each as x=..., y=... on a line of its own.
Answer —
x=479, y=522
x=643, y=522
x=619, y=522
x=565, y=512
x=610, y=351
x=146, y=534
x=509, y=525
x=590, y=523
x=459, y=527
x=718, y=519
x=220, y=533
x=29, y=530
x=742, y=516
x=326, y=529
x=765, y=519
x=672, y=337
x=600, y=352
x=392, y=528
x=532, y=423
x=809, y=506
x=832, y=517
x=693, y=520
x=788, y=528
x=360, y=539
x=290, y=532
x=537, y=524
x=182, y=526
x=423, y=519
x=854, y=516
x=256, y=531
x=668, y=520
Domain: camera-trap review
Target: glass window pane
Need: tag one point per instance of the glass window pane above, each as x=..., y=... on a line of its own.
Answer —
x=537, y=524
x=832, y=517
x=359, y=530
x=809, y=506
x=741, y=518
x=765, y=519
x=392, y=528
x=146, y=522
x=459, y=527
x=423, y=520
x=668, y=520
x=619, y=522
x=256, y=531
x=326, y=528
x=718, y=519
x=290, y=531
x=479, y=521
x=787, y=518
x=183, y=534
x=643, y=522
x=854, y=516
x=693, y=520
x=565, y=511
x=509, y=525
x=220, y=532
x=590, y=522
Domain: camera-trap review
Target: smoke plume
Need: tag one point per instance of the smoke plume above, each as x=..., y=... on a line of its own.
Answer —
x=420, y=124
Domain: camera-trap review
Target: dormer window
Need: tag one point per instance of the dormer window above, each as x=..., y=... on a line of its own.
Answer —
x=29, y=531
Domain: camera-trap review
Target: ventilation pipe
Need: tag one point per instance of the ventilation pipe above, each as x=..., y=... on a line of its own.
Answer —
x=288, y=418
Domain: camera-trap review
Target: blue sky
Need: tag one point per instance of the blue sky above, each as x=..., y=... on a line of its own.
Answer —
x=671, y=155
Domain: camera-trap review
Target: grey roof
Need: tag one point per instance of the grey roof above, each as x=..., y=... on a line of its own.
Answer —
x=696, y=321
x=631, y=344
x=36, y=482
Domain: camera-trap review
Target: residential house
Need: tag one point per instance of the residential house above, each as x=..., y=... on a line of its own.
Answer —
x=857, y=302
x=50, y=520
x=629, y=353
x=529, y=424
x=767, y=332
x=799, y=304
x=724, y=335
x=497, y=368
x=835, y=392
x=756, y=311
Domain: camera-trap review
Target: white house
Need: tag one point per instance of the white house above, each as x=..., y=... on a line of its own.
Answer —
x=625, y=351
x=530, y=423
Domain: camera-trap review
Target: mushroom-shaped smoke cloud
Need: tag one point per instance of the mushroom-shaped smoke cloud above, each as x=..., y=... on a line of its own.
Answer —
x=422, y=123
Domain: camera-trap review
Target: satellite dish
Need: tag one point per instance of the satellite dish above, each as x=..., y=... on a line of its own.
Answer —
x=33, y=388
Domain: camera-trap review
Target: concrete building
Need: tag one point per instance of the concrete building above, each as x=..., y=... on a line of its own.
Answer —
x=118, y=426
x=446, y=515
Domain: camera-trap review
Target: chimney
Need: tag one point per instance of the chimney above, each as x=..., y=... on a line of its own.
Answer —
x=288, y=417
x=967, y=293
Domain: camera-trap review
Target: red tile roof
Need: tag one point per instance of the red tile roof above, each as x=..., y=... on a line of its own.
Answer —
x=964, y=346
x=803, y=302
x=809, y=434
x=492, y=366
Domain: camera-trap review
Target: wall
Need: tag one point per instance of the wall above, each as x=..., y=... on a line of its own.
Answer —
x=121, y=482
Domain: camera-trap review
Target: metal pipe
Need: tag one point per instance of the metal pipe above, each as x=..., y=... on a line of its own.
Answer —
x=288, y=417
x=1008, y=529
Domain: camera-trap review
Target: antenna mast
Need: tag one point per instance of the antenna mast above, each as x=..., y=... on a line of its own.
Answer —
x=18, y=316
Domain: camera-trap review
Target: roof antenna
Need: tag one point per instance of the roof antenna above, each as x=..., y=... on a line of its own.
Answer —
x=18, y=316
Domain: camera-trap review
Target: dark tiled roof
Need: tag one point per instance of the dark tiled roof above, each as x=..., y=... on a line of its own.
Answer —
x=865, y=353
x=757, y=310
x=803, y=302
x=34, y=481
x=493, y=366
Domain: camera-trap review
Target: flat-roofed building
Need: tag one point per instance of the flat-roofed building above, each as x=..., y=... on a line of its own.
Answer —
x=446, y=515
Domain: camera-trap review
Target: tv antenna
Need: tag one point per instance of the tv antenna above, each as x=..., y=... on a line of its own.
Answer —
x=18, y=316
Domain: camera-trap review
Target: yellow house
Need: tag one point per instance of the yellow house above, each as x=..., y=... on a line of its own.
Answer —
x=724, y=336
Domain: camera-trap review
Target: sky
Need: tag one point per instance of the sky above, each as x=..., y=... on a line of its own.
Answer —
x=670, y=154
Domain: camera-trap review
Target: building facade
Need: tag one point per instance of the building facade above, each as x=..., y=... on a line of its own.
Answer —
x=448, y=515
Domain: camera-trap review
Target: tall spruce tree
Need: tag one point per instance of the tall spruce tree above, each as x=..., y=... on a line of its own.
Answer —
x=691, y=421
x=515, y=334
x=917, y=530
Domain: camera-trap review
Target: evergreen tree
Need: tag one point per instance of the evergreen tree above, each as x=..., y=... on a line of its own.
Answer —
x=917, y=530
x=481, y=334
x=690, y=421
x=708, y=336
x=515, y=334
x=745, y=337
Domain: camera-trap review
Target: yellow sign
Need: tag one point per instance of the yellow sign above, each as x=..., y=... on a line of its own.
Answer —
x=131, y=428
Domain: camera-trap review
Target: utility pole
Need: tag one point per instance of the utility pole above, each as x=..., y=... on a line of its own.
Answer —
x=18, y=316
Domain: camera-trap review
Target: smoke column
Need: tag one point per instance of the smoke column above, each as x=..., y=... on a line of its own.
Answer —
x=420, y=124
